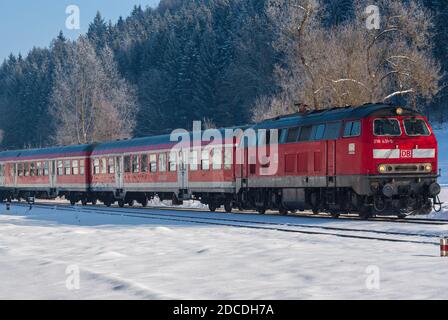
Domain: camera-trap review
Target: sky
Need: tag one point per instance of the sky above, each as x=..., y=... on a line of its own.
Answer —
x=28, y=23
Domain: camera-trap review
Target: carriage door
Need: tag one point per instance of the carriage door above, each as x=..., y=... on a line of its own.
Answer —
x=119, y=172
x=331, y=163
x=182, y=172
x=53, y=174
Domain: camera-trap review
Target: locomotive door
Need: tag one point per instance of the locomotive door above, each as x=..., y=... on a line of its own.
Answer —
x=182, y=172
x=331, y=163
x=118, y=172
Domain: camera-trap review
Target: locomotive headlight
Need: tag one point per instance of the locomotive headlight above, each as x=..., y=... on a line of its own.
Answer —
x=428, y=167
x=382, y=168
x=399, y=111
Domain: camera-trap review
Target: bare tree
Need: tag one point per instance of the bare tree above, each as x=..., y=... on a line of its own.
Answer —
x=91, y=102
x=349, y=64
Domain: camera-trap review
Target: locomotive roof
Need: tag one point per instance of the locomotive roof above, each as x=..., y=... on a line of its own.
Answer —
x=53, y=152
x=335, y=114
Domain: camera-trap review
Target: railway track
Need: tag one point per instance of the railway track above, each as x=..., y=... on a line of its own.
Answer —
x=230, y=221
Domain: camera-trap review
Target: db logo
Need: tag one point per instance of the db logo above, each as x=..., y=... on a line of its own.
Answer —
x=405, y=153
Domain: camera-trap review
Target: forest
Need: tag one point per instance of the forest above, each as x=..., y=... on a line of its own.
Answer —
x=226, y=62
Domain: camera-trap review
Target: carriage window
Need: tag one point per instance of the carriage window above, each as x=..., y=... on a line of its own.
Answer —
x=81, y=167
x=386, y=127
x=111, y=166
x=416, y=127
x=217, y=159
x=153, y=163
x=135, y=164
x=127, y=164
x=305, y=133
x=172, y=161
x=162, y=162
x=39, y=169
x=103, y=166
x=352, y=129
x=144, y=163
x=46, y=170
x=75, y=169
x=96, y=166
x=60, y=168
x=205, y=161
x=228, y=158
x=32, y=169
x=332, y=131
x=193, y=160
x=67, y=166
x=292, y=135
x=20, y=169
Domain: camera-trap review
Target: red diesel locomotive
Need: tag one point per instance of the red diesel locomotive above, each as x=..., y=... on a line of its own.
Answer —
x=373, y=159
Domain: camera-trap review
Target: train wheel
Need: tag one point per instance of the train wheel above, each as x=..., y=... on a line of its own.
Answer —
x=212, y=207
x=261, y=210
x=107, y=203
x=228, y=206
x=84, y=202
x=335, y=215
x=72, y=202
x=144, y=203
x=131, y=203
x=315, y=211
x=283, y=211
x=121, y=203
x=94, y=202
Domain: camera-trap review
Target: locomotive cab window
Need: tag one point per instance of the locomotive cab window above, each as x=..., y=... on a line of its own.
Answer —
x=144, y=163
x=352, y=129
x=416, y=127
x=162, y=162
x=386, y=127
x=75, y=169
x=153, y=163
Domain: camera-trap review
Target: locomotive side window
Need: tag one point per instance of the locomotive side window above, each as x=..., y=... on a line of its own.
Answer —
x=292, y=135
x=153, y=163
x=352, y=129
x=162, y=162
x=305, y=133
x=386, y=127
x=20, y=169
x=318, y=132
x=416, y=127
x=127, y=164
x=26, y=169
x=144, y=163
x=332, y=131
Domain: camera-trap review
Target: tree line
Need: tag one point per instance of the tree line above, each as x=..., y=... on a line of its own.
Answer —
x=227, y=62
